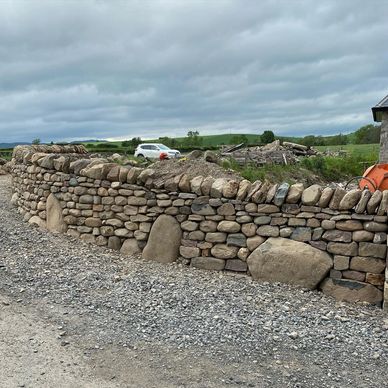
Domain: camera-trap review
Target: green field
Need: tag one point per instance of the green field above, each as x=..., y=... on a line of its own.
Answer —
x=371, y=150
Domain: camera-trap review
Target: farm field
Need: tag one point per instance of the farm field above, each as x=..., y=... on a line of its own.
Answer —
x=355, y=149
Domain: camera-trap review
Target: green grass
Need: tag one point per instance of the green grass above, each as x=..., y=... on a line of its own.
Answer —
x=362, y=150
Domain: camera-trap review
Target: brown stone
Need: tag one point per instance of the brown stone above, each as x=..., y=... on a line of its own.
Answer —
x=336, y=198
x=352, y=291
x=195, y=185
x=374, y=250
x=288, y=261
x=367, y=264
x=230, y=189
x=243, y=189
x=217, y=187
x=341, y=262
x=208, y=226
x=362, y=203
x=267, y=209
x=362, y=235
x=254, y=242
x=350, y=199
x=54, y=217
x=374, y=202
x=249, y=229
x=295, y=193
x=375, y=227
x=215, y=237
x=337, y=235
x=344, y=249
x=189, y=252
x=326, y=196
x=354, y=275
x=229, y=227
x=207, y=185
x=223, y=251
x=268, y=231
x=227, y=209
x=311, y=195
x=375, y=279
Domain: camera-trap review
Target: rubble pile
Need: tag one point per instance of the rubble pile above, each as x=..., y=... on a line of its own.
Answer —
x=273, y=153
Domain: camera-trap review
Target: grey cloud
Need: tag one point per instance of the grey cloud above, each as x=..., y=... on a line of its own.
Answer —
x=101, y=69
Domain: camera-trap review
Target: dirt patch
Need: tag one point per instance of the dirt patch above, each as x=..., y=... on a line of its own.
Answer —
x=170, y=168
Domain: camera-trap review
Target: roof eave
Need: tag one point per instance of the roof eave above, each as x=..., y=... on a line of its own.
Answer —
x=377, y=113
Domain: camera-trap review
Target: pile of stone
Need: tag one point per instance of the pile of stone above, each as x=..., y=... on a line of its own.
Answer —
x=273, y=153
x=328, y=238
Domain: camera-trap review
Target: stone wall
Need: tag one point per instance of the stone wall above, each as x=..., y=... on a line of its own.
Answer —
x=314, y=237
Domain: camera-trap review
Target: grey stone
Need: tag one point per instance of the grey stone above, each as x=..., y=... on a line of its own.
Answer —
x=281, y=194
x=375, y=227
x=236, y=265
x=215, y=237
x=164, y=240
x=54, y=217
x=326, y=196
x=229, y=227
x=337, y=235
x=374, y=202
x=262, y=220
x=208, y=263
x=349, y=225
x=374, y=250
x=237, y=239
x=301, y=234
x=223, y=251
x=341, y=262
x=362, y=203
x=336, y=198
x=268, y=231
x=343, y=249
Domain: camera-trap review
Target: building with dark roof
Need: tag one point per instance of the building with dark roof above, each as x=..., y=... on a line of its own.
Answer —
x=380, y=114
x=378, y=110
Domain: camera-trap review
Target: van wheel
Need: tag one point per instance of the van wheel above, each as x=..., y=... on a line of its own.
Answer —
x=140, y=156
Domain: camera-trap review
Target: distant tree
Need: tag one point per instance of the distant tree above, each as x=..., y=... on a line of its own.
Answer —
x=36, y=141
x=168, y=141
x=193, y=139
x=368, y=134
x=267, y=137
x=135, y=141
x=238, y=139
x=340, y=139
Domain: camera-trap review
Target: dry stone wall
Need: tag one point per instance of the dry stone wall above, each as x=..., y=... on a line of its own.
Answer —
x=328, y=238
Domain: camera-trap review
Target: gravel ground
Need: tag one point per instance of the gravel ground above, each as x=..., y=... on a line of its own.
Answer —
x=132, y=323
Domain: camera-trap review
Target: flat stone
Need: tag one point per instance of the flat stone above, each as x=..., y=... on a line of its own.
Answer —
x=164, y=240
x=349, y=225
x=254, y=188
x=374, y=250
x=262, y=220
x=352, y=291
x=362, y=235
x=319, y=245
x=268, y=231
x=271, y=193
x=208, y=263
x=301, y=234
x=189, y=226
x=367, y=264
x=375, y=279
x=236, y=265
x=223, y=251
x=354, y=275
x=344, y=249
x=337, y=235
x=311, y=195
x=267, y=209
x=215, y=237
x=288, y=261
x=375, y=226
x=296, y=221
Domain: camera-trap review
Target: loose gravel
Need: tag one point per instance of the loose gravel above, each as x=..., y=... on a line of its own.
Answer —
x=188, y=327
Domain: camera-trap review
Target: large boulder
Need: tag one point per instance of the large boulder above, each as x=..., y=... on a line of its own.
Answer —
x=164, y=240
x=288, y=261
x=54, y=217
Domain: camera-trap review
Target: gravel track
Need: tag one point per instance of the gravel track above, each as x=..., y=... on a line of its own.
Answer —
x=132, y=323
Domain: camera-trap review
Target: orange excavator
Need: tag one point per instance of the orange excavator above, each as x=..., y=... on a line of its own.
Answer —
x=376, y=176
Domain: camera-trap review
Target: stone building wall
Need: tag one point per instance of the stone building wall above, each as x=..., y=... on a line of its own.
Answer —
x=314, y=237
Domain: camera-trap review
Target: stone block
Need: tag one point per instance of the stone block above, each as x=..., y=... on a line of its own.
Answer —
x=209, y=263
x=374, y=250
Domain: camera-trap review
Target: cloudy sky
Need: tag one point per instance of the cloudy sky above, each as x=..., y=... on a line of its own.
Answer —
x=117, y=69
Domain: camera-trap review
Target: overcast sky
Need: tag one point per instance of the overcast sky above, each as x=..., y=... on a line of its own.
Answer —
x=117, y=69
